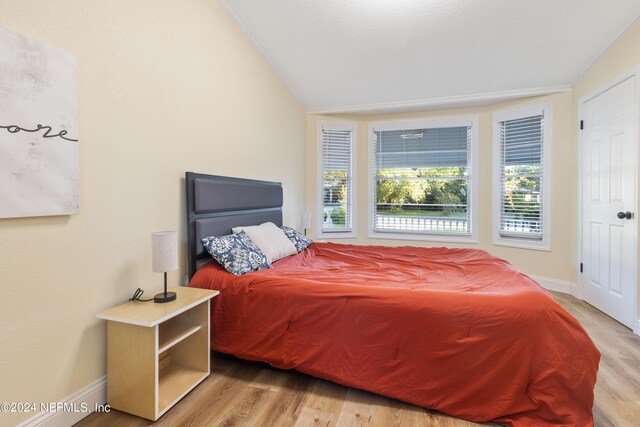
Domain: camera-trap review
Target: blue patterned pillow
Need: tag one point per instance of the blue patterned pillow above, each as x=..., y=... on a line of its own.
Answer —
x=236, y=253
x=300, y=241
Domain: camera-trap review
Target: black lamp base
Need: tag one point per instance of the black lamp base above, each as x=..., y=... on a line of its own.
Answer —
x=164, y=297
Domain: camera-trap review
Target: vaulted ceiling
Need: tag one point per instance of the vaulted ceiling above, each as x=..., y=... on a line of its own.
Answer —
x=394, y=55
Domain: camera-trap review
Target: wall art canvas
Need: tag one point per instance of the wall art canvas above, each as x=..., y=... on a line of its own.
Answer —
x=38, y=129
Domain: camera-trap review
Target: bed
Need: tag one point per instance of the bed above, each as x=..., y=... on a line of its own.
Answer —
x=455, y=330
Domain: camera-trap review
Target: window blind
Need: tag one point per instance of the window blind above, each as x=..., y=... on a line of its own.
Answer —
x=521, y=177
x=423, y=180
x=336, y=180
x=422, y=148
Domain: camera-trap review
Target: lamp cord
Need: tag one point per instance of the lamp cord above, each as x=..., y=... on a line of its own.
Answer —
x=137, y=295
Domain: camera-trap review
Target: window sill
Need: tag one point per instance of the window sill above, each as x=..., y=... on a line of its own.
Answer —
x=350, y=235
x=522, y=244
x=424, y=237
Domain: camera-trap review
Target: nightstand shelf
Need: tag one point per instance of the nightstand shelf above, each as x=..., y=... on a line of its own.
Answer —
x=157, y=353
x=176, y=381
x=174, y=331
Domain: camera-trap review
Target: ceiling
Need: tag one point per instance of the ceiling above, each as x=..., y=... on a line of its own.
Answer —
x=363, y=56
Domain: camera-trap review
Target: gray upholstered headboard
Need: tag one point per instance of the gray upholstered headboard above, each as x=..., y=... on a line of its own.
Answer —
x=215, y=204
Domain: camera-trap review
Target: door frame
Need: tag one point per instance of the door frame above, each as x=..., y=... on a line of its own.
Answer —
x=633, y=73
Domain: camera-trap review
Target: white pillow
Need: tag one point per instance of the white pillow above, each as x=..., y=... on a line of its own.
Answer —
x=270, y=239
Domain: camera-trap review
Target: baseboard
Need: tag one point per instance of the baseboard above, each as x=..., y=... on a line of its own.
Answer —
x=73, y=408
x=570, y=288
x=556, y=285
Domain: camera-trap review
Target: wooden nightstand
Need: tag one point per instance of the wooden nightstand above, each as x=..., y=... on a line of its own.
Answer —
x=157, y=353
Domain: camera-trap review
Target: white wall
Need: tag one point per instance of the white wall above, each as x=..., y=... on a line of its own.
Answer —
x=164, y=87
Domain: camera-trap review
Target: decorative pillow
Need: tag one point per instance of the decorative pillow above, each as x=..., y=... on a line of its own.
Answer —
x=236, y=253
x=270, y=239
x=300, y=241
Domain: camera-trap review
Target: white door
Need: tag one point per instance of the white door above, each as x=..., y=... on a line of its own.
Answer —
x=609, y=220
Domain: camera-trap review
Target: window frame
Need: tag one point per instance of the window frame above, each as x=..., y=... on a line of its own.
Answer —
x=452, y=121
x=340, y=126
x=543, y=244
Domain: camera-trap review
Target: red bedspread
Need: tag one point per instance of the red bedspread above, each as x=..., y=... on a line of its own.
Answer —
x=456, y=330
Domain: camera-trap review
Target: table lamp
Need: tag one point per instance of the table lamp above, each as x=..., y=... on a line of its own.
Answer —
x=164, y=257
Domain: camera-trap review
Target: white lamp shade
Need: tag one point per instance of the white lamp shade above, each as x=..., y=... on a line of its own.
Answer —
x=164, y=251
x=305, y=220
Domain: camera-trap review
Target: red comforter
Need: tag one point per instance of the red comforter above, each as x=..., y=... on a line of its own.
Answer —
x=456, y=330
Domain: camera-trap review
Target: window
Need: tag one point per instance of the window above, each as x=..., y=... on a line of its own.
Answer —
x=521, y=177
x=335, y=140
x=422, y=183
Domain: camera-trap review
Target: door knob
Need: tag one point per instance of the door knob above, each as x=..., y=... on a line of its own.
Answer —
x=625, y=215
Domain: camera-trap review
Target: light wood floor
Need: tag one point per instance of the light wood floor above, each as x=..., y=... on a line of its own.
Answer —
x=244, y=394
